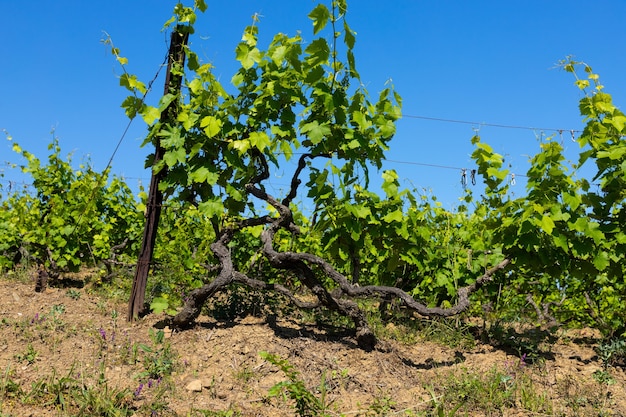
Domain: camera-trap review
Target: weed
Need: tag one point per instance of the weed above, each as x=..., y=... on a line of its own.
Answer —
x=382, y=405
x=497, y=389
x=340, y=378
x=77, y=397
x=532, y=397
x=243, y=374
x=129, y=351
x=102, y=306
x=101, y=400
x=439, y=409
x=306, y=404
x=403, y=332
x=57, y=309
x=159, y=361
x=409, y=330
x=159, y=401
x=73, y=294
x=53, y=319
x=603, y=377
x=52, y=391
x=583, y=399
x=29, y=355
x=8, y=387
x=449, y=332
x=612, y=352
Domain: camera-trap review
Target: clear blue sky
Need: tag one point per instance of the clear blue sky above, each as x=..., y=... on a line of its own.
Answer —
x=490, y=62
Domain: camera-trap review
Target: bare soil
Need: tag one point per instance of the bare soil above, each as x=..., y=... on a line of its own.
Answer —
x=88, y=337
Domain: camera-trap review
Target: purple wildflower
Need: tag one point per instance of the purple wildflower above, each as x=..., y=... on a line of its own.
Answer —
x=102, y=333
x=138, y=390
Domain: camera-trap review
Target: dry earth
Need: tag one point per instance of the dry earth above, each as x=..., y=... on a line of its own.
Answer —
x=85, y=337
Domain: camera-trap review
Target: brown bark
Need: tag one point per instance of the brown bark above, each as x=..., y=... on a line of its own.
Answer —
x=303, y=266
x=173, y=82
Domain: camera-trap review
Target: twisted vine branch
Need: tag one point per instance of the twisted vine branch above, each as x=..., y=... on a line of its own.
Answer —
x=301, y=264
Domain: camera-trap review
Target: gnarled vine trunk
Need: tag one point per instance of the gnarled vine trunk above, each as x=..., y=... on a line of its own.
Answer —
x=302, y=266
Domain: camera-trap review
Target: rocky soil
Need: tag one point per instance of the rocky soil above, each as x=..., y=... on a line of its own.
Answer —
x=216, y=369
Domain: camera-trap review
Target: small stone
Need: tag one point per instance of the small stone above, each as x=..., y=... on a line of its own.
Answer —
x=167, y=332
x=16, y=297
x=194, y=386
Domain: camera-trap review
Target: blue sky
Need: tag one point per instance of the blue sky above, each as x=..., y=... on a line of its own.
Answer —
x=488, y=62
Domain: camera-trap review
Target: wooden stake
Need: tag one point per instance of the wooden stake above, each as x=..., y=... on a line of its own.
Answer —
x=155, y=197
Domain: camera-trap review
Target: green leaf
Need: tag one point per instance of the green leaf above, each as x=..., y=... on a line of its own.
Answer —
x=358, y=210
x=211, y=125
x=159, y=305
x=618, y=122
x=601, y=260
x=203, y=175
x=200, y=5
x=131, y=106
x=211, y=208
x=259, y=140
x=237, y=79
x=165, y=101
x=173, y=156
x=603, y=102
x=187, y=119
x=247, y=56
x=286, y=149
x=616, y=152
x=320, y=16
x=348, y=36
x=394, y=216
x=594, y=232
x=589, y=229
x=241, y=146
x=387, y=129
x=195, y=86
x=171, y=138
x=132, y=83
x=150, y=114
x=572, y=200
x=353, y=144
x=547, y=224
x=314, y=131
x=318, y=52
x=249, y=36
x=561, y=242
x=390, y=183
x=582, y=84
x=361, y=119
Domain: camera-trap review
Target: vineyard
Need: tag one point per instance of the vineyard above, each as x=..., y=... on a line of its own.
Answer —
x=375, y=270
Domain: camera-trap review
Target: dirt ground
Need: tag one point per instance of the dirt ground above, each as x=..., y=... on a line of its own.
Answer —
x=217, y=366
